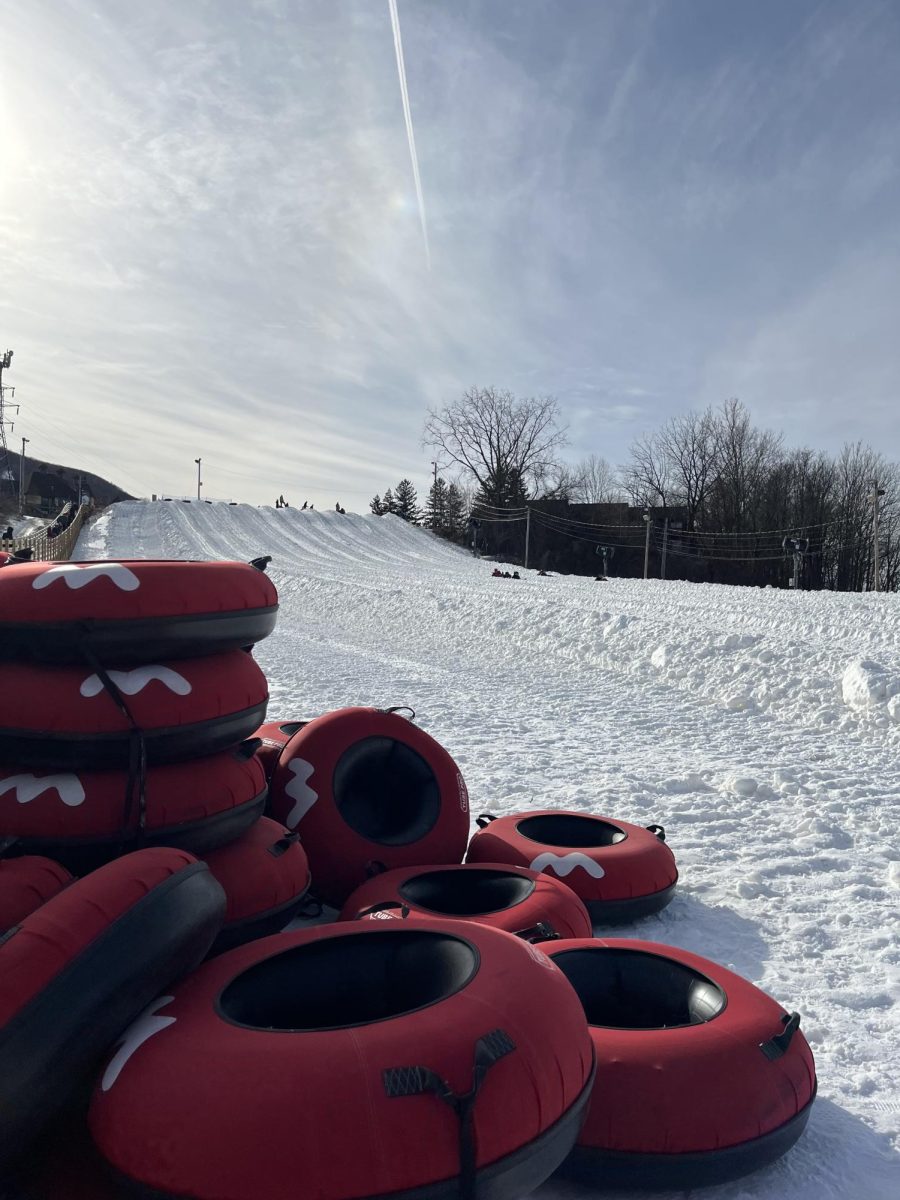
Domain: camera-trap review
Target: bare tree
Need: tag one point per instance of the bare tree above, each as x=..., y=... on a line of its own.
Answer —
x=561, y=483
x=648, y=477
x=746, y=458
x=497, y=438
x=598, y=482
x=690, y=445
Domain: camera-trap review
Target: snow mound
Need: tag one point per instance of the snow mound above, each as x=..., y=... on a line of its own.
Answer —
x=759, y=726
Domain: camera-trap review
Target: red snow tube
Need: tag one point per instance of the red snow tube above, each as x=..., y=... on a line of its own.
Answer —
x=87, y=817
x=81, y=967
x=429, y=1058
x=527, y=903
x=265, y=877
x=620, y=871
x=704, y=1077
x=132, y=610
x=364, y=786
x=27, y=883
x=66, y=717
x=274, y=736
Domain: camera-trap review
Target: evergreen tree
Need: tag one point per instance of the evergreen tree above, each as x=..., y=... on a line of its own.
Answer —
x=406, y=502
x=456, y=512
x=377, y=505
x=436, y=506
x=388, y=503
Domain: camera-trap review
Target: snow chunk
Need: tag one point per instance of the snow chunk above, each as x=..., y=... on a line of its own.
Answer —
x=740, y=785
x=683, y=786
x=866, y=685
x=662, y=657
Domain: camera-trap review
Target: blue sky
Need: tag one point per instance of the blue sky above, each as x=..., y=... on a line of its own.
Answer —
x=211, y=243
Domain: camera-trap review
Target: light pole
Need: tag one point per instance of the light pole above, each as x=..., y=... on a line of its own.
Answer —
x=25, y=440
x=876, y=492
x=648, y=521
x=198, y=461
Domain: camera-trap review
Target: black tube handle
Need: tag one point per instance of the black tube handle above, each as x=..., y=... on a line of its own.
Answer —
x=484, y=820
x=248, y=747
x=776, y=1046
x=541, y=932
x=261, y=563
x=418, y=1081
x=658, y=830
x=401, y=708
x=283, y=844
x=384, y=906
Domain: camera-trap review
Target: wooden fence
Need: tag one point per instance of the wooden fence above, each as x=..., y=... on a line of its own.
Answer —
x=45, y=548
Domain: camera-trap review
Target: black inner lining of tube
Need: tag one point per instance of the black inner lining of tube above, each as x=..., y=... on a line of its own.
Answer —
x=340, y=982
x=467, y=892
x=570, y=829
x=386, y=792
x=633, y=989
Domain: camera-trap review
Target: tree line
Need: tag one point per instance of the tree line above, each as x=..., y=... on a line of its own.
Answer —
x=725, y=499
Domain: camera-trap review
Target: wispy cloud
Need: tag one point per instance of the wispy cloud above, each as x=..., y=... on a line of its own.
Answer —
x=211, y=243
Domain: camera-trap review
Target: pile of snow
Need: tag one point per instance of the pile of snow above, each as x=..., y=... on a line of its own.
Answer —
x=761, y=727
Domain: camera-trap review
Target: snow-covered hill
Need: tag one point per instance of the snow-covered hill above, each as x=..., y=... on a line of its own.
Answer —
x=762, y=728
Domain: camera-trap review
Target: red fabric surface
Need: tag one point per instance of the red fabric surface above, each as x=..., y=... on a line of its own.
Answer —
x=551, y=901
x=175, y=794
x=43, y=699
x=338, y=855
x=49, y=939
x=274, y=736
x=255, y=880
x=25, y=884
x=700, y=1087
x=164, y=589
x=637, y=866
x=210, y=1109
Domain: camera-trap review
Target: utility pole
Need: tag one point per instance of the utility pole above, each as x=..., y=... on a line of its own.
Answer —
x=527, y=534
x=25, y=440
x=648, y=520
x=5, y=466
x=796, y=547
x=662, y=565
x=437, y=518
x=199, y=484
x=876, y=492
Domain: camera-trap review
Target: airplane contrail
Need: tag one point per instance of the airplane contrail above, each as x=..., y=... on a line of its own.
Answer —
x=404, y=94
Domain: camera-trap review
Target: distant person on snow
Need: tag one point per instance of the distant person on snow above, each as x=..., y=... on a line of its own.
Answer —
x=516, y=575
x=277, y=502
x=304, y=504
x=497, y=573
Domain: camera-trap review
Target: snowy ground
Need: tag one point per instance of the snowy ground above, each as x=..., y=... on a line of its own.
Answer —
x=25, y=526
x=762, y=728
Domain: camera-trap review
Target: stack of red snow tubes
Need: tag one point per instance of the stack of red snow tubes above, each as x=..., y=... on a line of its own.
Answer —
x=455, y=1031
